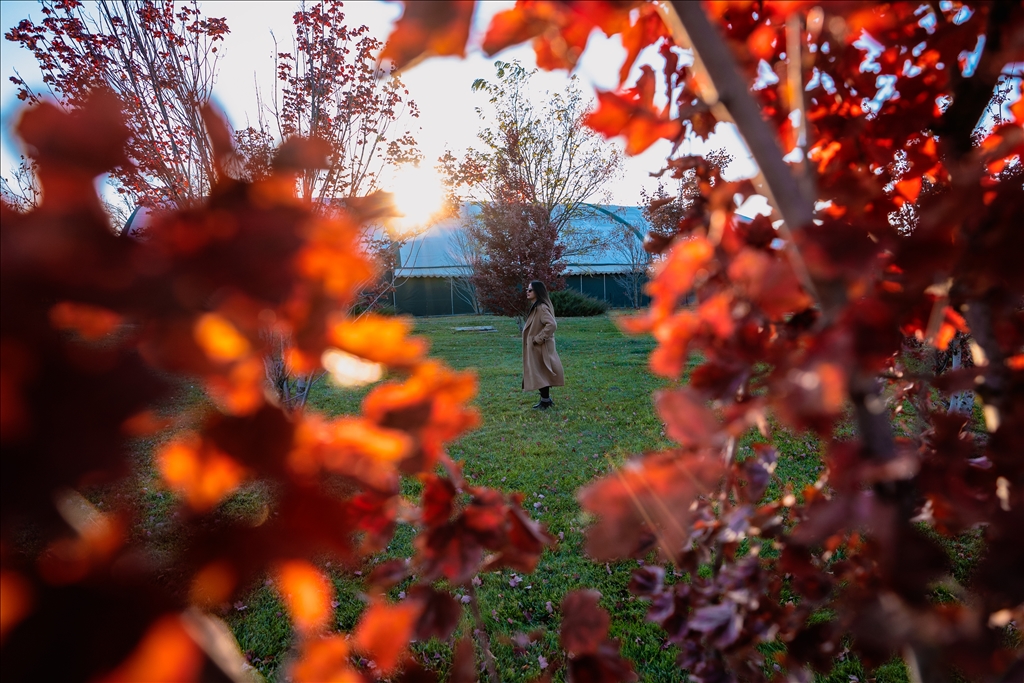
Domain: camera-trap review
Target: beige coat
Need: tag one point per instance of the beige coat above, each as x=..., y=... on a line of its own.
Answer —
x=541, y=365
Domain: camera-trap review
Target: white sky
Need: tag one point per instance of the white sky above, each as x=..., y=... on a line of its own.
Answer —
x=440, y=86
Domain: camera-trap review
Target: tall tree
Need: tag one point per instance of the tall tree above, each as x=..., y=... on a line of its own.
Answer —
x=537, y=169
x=519, y=243
x=333, y=89
x=160, y=58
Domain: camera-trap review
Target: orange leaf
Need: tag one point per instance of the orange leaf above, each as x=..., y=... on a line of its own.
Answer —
x=145, y=423
x=687, y=420
x=241, y=391
x=15, y=600
x=1015, y=362
x=89, y=322
x=716, y=313
x=647, y=30
x=1017, y=108
x=333, y=256
x=325, y=660
x=432, y=402
x=351, y=446
x=165, y=654
x=769, y=282
x=200, y=472
x=909, y=188
x=429, y=27
x=642, y=126
x=384, y=630
x=673, y=334
x=306, y=593
x=652, y=496
x=380, y=339
x=561, y=48
x=219, y=338
x=676, y=274
x=517, y=25
x=213, y=584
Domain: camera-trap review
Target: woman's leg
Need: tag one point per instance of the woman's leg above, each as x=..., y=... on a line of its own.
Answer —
x=545, y=399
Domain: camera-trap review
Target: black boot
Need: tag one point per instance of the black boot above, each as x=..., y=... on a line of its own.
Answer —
x=544, y=404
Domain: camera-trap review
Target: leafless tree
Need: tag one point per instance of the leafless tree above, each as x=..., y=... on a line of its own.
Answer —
x=464, y=252
x=627, y=243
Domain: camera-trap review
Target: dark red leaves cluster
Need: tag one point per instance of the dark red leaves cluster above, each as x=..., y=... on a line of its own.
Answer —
x=584, y=636
x=912, y=247
x=490, y=531
x=97, y=329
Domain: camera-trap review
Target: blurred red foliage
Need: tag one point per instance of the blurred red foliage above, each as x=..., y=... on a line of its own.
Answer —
x=904, y=230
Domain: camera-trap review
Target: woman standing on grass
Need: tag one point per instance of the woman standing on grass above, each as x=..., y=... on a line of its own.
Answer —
x=542, y=369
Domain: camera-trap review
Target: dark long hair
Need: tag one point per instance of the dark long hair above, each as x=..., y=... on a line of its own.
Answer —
x=541, y=292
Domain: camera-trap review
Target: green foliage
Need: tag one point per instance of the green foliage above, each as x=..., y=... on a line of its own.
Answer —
x=571, y=304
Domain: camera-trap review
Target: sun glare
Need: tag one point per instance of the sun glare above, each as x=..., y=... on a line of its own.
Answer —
x=350, y=371
x=419, y=196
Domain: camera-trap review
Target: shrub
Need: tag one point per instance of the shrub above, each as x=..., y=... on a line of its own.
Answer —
x=379, y=309
x=572, y=304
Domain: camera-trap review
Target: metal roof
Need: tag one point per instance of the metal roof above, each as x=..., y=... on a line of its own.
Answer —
x=436, y=252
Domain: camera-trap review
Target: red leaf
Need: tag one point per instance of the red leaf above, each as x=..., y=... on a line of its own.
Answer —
x=633, y=115
x=438, y=495
x=645, y=31
x=437, y=27
x=383, y=632
x=513, y=26
x=909, y=188
x=439, y=616
x=464, y=662
x=584, y=622
x=646, y=503
x=687, y=419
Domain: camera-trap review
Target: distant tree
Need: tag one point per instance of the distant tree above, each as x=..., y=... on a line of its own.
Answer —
x=538, y=168
x=666, y=212
x=629, y=246
x=160, y=59
x=332, y=91
x=21, y=190
x=331, y=88
x=464, y=254
x=519, y=244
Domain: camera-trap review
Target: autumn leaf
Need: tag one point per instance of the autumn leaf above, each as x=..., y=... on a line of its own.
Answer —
x=647, y=29
x=213, y=584
x=325, y=660
x=429, y=27
x=647, y=504
x=642, y=127
x=220, y=339
x=675, y=276
x=438, y=498
x=769, y=282
x=384, y=630
x=15, y=600
x=687, y=420
x=380, y=339
x=89, y=322
x=584, y=622
x=203, y=474
x=306, y=593
x=517, y=25
x=166, y=654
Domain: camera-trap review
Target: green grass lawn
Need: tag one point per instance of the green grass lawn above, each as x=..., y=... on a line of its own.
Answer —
x=602, y=416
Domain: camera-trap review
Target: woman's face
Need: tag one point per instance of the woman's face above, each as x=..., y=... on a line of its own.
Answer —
x=530, y=295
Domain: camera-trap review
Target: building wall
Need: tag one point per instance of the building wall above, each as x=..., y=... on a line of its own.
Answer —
x=429, y=296
x=439, y=296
